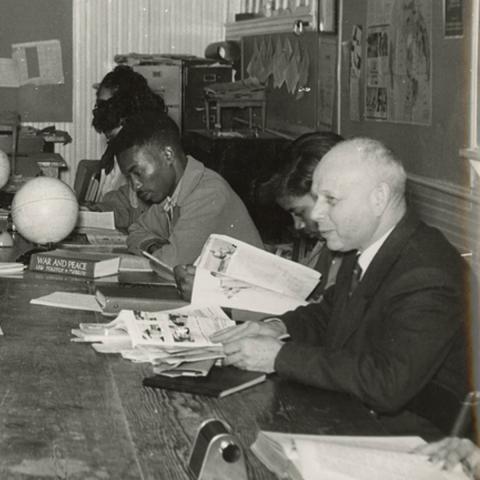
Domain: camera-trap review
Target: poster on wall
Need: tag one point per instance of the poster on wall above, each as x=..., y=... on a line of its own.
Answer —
x=327, y=62
x=398, y=86
x=453, y=18
x=39, y=63
x=356, y=61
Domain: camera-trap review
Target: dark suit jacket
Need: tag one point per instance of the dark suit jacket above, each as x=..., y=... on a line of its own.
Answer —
x=402, y=330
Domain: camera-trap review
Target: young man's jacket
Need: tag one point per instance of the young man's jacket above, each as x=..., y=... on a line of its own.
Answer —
x=400, y=338
x=205, y=204
x=120, y=203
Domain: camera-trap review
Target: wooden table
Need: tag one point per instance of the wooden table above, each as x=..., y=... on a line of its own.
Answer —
x=67, y=412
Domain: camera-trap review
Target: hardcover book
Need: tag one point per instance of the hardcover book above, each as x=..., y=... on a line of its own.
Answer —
x=113, y=298
x=220, y=382
x=76, y=263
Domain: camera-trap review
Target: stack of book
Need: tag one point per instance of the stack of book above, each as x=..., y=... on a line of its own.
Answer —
x=128, y=290
x=75, y=263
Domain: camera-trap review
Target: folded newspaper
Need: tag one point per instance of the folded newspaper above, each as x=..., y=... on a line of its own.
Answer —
x=234, y=274
x=167, y=339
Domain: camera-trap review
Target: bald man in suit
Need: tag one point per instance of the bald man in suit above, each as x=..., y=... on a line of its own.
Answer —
x=392, y=330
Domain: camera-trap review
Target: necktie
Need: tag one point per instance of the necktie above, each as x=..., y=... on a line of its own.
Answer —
x=356, y=275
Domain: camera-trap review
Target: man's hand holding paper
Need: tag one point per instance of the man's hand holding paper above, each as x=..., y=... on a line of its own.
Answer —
x=252, y=345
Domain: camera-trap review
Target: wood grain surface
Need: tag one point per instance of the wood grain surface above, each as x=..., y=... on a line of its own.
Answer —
x=67, y=412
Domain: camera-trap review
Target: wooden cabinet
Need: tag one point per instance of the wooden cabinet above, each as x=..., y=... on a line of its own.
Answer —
x=294, y=52
x=244, y=162
x=180, y=83
x=288, y=109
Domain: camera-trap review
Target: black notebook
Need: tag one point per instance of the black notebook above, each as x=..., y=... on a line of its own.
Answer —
x=220, y=382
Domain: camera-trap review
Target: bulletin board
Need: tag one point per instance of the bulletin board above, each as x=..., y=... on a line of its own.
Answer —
x=429, y=144
x=33, y=24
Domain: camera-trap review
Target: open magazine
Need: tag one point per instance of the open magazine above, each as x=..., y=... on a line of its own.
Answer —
x=234, y=274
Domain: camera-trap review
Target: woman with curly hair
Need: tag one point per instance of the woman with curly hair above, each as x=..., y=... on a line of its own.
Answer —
x=121, y=94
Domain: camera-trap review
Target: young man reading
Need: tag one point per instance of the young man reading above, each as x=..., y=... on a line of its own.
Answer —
x=188, y=201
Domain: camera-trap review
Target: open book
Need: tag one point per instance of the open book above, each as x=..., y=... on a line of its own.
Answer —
x=234, y=274
x=309, y=457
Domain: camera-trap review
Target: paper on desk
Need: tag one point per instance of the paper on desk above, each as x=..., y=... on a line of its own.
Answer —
x=11, y=269
x=199, y=368
x=358, y=462
x=73, y=301
x=102, y=220
x=359, y=458
x=108, y=337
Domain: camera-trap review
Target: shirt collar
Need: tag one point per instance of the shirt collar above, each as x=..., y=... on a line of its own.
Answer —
x=171, y=201
x=366, y=257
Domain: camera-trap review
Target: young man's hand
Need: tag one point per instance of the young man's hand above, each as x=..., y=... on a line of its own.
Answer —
x=184, y=276
x=451, y=451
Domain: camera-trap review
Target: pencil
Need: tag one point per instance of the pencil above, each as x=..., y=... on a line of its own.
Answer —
x=157, y=261
x=463, y=416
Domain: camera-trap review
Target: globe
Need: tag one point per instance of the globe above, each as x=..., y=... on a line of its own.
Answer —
x=44, y=210
x=4, y=168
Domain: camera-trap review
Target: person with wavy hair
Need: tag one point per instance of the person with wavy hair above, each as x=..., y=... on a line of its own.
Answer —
x=292, y=191
x=121, y=94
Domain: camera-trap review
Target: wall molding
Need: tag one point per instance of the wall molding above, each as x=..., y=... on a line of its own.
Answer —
x=269, y=25
x=451, y=208
x=466, y=194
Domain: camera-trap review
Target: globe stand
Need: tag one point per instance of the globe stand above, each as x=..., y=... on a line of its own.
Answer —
x=6, y=240
x=25, y=257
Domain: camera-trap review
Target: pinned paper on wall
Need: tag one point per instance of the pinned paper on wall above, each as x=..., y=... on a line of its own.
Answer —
x=39, y=63
x=327, y=64
x=356, y=59
x=8, y=73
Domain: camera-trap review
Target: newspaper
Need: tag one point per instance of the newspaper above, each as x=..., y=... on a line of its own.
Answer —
x=216, y=289
x=234, y=274
x=172, y=331
x=239, y=260
x=170, y=337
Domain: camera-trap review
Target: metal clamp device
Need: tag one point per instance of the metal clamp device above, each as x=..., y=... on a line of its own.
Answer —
x=216, y=454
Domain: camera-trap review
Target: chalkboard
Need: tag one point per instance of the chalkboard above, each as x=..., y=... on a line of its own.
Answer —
x=26, y=21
